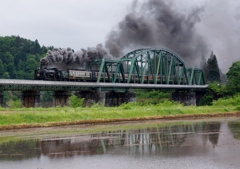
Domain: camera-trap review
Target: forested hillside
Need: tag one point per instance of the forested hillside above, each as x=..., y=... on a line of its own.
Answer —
x=19, y=57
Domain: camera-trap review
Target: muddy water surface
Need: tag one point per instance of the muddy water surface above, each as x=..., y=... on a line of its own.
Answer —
x=205, y=143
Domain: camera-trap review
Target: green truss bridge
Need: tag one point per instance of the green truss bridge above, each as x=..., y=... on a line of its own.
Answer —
x=150, y=66
x=139, y=69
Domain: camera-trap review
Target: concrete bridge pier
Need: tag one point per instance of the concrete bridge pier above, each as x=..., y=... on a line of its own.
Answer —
x=61, y=98
x=91, y=96
x=30, y=98
x=188, y=98
x=1, y=98
x=118, y=98
x=199, y=95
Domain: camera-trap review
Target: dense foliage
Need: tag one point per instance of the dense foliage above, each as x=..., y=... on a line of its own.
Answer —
x=213, y=74
x=233, y=76
x=227, y=94
x=213, y=92
x=19, y=57
x=228, y=101
x=211, y=69
x=145, y=97
x=76, y=101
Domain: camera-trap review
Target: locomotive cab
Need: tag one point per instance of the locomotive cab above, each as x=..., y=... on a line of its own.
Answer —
x=38, y=74
x=46, y=74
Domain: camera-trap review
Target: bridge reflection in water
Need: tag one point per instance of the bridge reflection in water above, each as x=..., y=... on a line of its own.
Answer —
x=151, y=140
x=138, y=141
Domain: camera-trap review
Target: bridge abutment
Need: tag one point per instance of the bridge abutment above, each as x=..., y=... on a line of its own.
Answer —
x=61, y=98
x=30, y=98
x=188, y=98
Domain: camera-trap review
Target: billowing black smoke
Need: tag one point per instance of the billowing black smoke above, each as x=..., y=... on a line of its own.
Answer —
x=155, y=23
x=67, y=58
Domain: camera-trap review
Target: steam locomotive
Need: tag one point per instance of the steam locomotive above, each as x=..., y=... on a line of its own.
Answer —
x=79, y=75
x=54, y=74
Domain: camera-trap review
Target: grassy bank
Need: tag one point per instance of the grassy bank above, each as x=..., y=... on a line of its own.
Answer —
x=37, y=117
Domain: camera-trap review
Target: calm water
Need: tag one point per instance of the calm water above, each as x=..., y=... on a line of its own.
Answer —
x=203, y=144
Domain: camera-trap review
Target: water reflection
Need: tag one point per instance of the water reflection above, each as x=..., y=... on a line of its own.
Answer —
x=234, y=126
x=151, y=140
x=18, y=150
x=144, y=141
x=205, y=140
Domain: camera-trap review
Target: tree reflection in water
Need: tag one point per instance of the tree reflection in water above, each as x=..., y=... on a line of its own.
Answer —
x=234, y=127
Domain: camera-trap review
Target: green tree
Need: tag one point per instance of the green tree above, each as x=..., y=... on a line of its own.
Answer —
x=76, y=102
x=20, y=74
x=31, y=65
x=6, y=75
x=204, y=66
x=19, y=59
x=1, y=69
x=233, y=76
x=213, y=73
x=36, y=47
x=8, y=61
x=213, y=92
x=20, y=56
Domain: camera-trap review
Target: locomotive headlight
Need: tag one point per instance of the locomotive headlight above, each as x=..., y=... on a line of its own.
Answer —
x=38, y=74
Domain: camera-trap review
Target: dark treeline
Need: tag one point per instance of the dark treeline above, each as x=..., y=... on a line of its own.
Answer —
x=19, y=57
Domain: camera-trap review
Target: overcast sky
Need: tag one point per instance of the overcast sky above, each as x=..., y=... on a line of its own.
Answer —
x=86, y=23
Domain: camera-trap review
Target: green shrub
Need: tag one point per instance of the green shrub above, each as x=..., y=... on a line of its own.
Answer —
x=238, y=108
x=14, y=104
x=213, y=92
x=97, y=105
x=152, y=97
x=230, y=101
x=76, y=102
x=152, y=94
x=168, y=103
x=126, y=106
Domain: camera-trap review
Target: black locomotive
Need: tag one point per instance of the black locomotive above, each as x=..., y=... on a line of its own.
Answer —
x=54, y=74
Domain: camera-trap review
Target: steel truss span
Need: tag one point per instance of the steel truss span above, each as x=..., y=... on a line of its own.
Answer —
x=149, y=66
